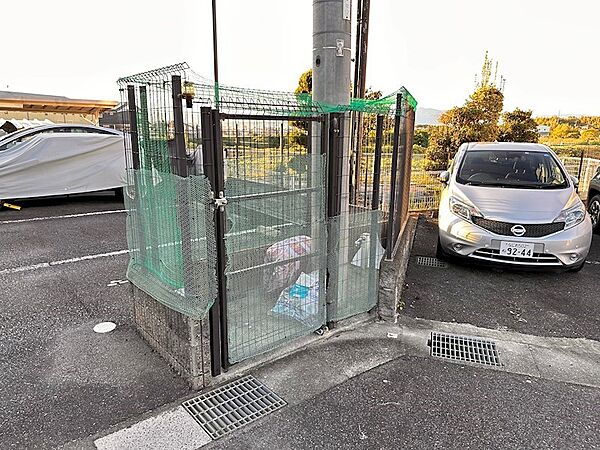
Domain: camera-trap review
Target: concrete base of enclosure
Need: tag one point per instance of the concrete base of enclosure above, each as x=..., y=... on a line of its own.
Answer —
x=182, y=341
x=393, y=272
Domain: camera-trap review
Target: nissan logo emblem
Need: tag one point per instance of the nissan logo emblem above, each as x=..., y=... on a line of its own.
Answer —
x=518, y=230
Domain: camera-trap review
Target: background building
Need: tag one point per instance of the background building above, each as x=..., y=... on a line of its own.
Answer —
x=57, y=109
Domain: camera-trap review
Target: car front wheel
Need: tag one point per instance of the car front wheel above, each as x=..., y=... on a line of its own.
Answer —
x=440, y=253
x=577, y=268
x=594, y=210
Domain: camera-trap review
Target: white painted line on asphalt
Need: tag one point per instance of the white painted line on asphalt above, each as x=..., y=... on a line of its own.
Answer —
x=594, y=262
x=170, y=430
x=61, y=262
x=67, y=216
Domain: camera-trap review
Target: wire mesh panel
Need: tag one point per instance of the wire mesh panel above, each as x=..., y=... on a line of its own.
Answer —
x=353, y=281
x=425, y=189
x=275, y=236
x=262, y=251
x=366, y=170
x=391, y=177
x=157, y=237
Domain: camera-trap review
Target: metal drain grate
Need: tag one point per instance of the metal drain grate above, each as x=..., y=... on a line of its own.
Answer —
x=464, y=348
x=233, y=405
x=431, y=262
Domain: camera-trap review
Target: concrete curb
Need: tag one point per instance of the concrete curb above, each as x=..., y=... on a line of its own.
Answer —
x=393, y=273
x=568, y=360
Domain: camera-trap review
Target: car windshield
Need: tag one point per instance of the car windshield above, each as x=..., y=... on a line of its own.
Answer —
x=511, y=169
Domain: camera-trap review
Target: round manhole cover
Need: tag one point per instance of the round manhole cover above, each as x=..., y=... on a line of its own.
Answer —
x=105, y=327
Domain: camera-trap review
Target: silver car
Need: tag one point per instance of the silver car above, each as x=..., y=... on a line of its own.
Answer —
x=512, y=204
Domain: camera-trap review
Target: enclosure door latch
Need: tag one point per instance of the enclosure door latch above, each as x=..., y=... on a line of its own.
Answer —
x=221, y=201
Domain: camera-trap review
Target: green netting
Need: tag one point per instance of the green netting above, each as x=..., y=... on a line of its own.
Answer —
x=382, y=105
x=255, y=101
x=171, y=239
x=354, y=263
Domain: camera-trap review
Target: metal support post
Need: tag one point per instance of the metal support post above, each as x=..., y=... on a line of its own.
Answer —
x=133, y=128
x=334, y=203
x=360, y=75
x=394, y=172
x=220, y=221
x=210, y=169
x=179, y=156
x=374, y=232
x=212, y=148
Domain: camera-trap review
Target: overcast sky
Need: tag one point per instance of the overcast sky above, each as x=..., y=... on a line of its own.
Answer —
x=547, y=49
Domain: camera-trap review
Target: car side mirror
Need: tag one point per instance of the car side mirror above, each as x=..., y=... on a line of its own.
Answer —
x=445, y=177
x=575, y=181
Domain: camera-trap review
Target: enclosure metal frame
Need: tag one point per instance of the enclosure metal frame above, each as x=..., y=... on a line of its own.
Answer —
x=331, y=143
x=394, y=170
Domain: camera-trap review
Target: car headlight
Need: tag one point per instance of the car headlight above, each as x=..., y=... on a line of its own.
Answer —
x=462, y=209
x=571, y=217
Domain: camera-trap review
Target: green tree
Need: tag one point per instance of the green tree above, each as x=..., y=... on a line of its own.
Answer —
x=518, y=126
x=441, y=142
x=590, y=135
x=422, y=138
x=298, y=134
x=475, y=121
x=564, y=131
x=305, y=83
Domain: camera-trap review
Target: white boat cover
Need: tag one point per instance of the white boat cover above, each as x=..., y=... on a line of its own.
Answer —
x=62, y=163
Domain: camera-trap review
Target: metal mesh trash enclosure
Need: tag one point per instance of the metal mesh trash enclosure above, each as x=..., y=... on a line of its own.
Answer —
x=228, y=205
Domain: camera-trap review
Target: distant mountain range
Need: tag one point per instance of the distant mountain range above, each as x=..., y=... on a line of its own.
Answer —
x=428, y=116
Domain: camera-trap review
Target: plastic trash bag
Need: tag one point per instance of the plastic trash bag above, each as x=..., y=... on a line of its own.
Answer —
x=300, y=301
x=283, y=275
x=362, y=256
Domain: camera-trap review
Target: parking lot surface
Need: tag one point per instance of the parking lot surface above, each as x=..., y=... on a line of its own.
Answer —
x=544, y=304
x=61, y=381
x=421, y=403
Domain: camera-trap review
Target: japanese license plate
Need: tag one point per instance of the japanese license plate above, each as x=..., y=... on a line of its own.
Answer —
x=518, y=249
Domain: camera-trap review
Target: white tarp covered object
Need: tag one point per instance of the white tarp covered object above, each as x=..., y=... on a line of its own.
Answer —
x=62, y=163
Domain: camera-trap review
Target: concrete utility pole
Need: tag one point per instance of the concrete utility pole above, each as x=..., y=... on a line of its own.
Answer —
x=331, y=51
x=331, y=84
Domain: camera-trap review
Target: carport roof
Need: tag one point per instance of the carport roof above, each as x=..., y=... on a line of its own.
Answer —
x=22, y=101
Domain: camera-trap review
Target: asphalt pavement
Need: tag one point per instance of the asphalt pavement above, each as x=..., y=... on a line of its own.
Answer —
x=61, y=381
x=544, y=304
x=369, y=387
x=416, y=403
